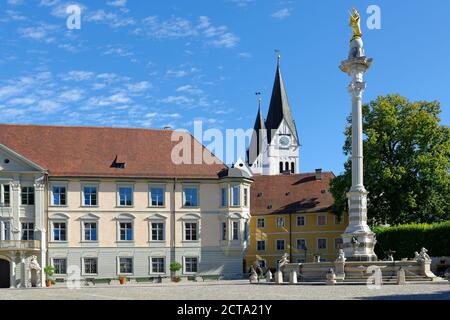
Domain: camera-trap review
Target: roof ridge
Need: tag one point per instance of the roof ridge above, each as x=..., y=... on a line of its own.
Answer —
x=81, y=126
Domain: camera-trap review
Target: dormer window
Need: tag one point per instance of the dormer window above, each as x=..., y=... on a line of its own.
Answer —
x=117, y=164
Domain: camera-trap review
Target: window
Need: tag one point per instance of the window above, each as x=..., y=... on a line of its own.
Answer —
x=281, y=167
x=59, y=231
x=224, y=197
x=262, y=263
x=59, y=196
x=126, y=231
x=235, y=230
x=90, y=265
x=90, y=231
x=338, y=243
x=286, y=166
x=5, y=195
x=125, y=265
x=261, y=245
x=190, y=197
x=321, y=243
x=292, y=167
x=224, y=231
x=90, y=196
x=321, y=220
x=125, y=196
x=280, y=244
x=338, y=219
x=157, y=196
x=157, y=231
x=27, y=231
x=60, y=266
x=261, y=222
x=190, y=265
x=301, y=244
x=27, y=196
x=245, y=197
x=300, y=220
x=158, y=265
x=5, y=228
x=280, y=222
x=190, y=231
x=235, y=201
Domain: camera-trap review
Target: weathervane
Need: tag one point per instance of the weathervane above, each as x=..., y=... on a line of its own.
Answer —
x=277, y=52
x=258, y=94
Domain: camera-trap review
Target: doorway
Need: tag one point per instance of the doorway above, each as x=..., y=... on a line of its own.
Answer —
x=4, y=274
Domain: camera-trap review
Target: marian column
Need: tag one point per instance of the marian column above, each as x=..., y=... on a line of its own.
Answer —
x=358, y=240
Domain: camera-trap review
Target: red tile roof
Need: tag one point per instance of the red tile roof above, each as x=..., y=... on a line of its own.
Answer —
x=90, y=151
x=293, y=193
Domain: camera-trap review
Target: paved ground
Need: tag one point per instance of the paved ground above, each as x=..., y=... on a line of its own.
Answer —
x=232, y=290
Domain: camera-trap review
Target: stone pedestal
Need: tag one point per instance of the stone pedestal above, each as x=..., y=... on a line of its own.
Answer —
x=269, y=276
x=293, y=277
x=358, y=239
x=278, y=277
x=401, y=276
x=339, y=267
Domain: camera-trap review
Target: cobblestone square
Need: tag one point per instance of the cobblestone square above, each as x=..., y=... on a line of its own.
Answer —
x=233, y=290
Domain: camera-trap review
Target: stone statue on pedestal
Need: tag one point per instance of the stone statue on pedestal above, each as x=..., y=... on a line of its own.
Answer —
x=34, y=270
x=331, y=277
x=253, y=275
x=341, y=256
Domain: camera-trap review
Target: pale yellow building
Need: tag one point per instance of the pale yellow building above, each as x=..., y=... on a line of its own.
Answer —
x=292, y=213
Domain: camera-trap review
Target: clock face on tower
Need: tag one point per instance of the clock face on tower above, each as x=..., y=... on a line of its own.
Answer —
x=285, y=141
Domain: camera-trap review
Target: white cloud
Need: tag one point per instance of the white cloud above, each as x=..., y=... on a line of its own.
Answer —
x=15, y=16
x=48, y=3
x=60, y=10
x=72, y=95
x=222, y=38
x=109, y=18
x=177, y=73
x=178, y=100
x=174, y=27
x=117, y=3
x=281, y=14
x=15, y=2
x=241, y=3
x=244, y=55
x=227, y=40
x=190, y=89
x=77, y=75
x=26, y=101
x=139, y=86
x=42, y=33
x=48, y=106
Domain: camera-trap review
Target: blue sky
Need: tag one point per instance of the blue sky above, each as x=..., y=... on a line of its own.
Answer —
x=155, y=63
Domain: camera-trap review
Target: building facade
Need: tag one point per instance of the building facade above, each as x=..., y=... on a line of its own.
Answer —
x=293, y=214
x=111, y=202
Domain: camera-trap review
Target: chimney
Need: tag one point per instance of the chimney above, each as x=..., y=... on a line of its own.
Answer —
x=318, y=174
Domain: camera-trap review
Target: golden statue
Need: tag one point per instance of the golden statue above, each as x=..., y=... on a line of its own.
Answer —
x=355, y=23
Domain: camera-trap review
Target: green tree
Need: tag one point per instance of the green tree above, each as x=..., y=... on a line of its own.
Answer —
x=406, y=162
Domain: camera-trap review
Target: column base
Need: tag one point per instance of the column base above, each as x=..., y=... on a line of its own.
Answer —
x=359, y=246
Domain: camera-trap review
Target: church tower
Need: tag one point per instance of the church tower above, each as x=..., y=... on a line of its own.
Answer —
x=274, y=148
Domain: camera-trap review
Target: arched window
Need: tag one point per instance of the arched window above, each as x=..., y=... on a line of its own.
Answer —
x=281, y=167
x=286, y=166
x=292, y=167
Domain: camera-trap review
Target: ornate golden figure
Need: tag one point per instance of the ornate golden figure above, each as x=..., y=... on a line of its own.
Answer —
x=355, y=23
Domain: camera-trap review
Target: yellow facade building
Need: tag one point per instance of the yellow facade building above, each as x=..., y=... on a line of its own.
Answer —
x=292, y=213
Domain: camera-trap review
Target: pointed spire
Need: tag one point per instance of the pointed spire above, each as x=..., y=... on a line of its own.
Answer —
x=279, y=108
x=257, y=141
